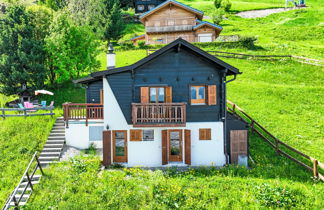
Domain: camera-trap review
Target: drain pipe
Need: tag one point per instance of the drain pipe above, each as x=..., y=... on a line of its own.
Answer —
x=224, y=82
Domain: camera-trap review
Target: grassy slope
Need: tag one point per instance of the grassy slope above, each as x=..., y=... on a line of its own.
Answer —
x=19, y=139
x=80, y=185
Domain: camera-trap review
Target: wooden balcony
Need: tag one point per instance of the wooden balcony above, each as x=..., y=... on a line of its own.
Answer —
x=82, y=112
x=159, y=114
x=170, y=25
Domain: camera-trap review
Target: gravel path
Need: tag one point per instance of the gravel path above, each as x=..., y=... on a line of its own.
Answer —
x=262, y=13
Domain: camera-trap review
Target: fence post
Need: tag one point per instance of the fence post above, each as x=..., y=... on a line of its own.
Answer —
x=277, y=146
x=252, y=126
x=39, y=165
x=29, y=181
x=315, y=171
x=3, y=114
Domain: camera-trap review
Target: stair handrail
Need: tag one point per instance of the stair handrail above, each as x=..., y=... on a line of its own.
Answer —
x=29, y=183
x=261, y=131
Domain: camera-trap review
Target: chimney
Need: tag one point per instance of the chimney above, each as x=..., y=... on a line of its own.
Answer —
x=111, y=57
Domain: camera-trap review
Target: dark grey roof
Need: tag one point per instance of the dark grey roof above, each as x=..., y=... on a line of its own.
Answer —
x=177, y=43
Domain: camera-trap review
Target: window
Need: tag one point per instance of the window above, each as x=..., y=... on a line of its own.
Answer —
x=148, y=135
x=151, y=6
x=204, y=134
x=95, y=133
x=140, y=7
x=157, y=95
x=198, y=94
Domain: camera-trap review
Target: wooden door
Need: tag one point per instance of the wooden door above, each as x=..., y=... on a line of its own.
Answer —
x=187, y=145
x=120, y=146
x=164, y=147
x=106, y=148
x=175, y=145
x=239, y=140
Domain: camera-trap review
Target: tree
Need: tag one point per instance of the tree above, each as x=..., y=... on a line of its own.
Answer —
x=114, y=24
x=21, y=53
x=73, y=49
x=54, y=4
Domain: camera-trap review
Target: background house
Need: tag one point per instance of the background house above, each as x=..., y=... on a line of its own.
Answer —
x=171, y=20
x=142, y=6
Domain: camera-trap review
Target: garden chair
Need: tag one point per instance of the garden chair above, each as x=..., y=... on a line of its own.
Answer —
x=51, y=104
x=43, y=103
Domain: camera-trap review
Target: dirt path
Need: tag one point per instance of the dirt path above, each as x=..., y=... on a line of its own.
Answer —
x=261, y=13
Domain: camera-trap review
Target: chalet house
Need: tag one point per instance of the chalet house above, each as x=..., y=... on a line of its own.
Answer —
x=142, y=6
x=166, y=109
x=171, y=20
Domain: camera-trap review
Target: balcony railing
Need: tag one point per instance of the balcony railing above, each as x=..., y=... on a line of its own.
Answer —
x=169, y=25
x=158, y=114
x=82, y=112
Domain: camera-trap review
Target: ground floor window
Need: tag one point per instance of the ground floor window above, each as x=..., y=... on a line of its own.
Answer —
x=148, y=135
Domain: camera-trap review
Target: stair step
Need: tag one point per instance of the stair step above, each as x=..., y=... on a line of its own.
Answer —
x=52, y=149
x=56, y=137
x=53, y=146
x=12, y=204
x=46, y=154
x=21, y=189
x=41, y=159
x=56, y=133
x=55, y=142
x=45, y=163
x=35, y=177
x=25, y=183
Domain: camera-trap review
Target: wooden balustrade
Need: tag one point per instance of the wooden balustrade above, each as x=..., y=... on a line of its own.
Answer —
x=82, y=112
x=158, y=114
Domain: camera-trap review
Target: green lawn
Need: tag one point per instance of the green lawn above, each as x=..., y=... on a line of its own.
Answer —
x=19, y=138
x=272, y=182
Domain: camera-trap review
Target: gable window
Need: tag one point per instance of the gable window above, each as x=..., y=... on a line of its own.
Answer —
x=140, y=7
x=157, y=95
x=198, y=94
x=148, y=135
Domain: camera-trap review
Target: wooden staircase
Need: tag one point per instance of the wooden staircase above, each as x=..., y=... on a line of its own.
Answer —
x=54, y=145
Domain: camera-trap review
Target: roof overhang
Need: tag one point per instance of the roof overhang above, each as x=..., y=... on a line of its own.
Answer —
x=204, y=23
x=199, y=13
x=230, y=70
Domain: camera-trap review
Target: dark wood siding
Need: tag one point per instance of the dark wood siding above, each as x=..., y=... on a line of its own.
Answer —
x=178, y=70
x=122, y=86
x=146, y=4
x=93, y=92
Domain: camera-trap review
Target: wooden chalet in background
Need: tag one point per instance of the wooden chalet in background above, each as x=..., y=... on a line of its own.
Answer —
x=171, y=20
x=142, y=6
x=166, y=109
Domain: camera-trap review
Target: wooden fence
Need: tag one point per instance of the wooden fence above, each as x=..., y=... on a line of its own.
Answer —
x=280, y=147
x=299, y=59
x=27, y=177
x=25, y=112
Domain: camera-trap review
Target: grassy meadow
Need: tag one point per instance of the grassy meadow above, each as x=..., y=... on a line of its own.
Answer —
x=20, y=138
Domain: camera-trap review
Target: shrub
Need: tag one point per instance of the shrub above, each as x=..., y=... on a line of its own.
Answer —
x=218, y=3
x=247, y=41
x=217, y=16
x=226, y=5
x=142, y=44
x=126, y=45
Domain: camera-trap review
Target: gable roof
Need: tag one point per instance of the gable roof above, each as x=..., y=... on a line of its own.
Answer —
x=174, y=2
x=231, y=70
x=202, y=23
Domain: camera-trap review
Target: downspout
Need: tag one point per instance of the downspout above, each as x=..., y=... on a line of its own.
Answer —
x=224, y=82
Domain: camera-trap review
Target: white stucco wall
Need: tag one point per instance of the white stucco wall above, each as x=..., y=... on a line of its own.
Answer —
x=77, y=134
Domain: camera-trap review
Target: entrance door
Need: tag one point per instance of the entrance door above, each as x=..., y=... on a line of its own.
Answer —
x=239, y=144
x=175, y=145
x=205, y=37
x=120, y=146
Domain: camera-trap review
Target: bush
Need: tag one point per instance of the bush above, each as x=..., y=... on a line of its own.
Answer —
x=226, y=5
x=217, y=16
x=247, y=41
x=218, y=3
x=126, y=45
x=142, y=44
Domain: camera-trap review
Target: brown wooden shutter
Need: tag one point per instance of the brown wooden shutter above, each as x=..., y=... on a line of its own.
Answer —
x=101, y=96
x=239, y=140
x=204, y=134
x=145, y=96
x=188, y=147
x=136, y=135
x=168, y=94
x=106, y=147
x=212, y=99
x=164, y=147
